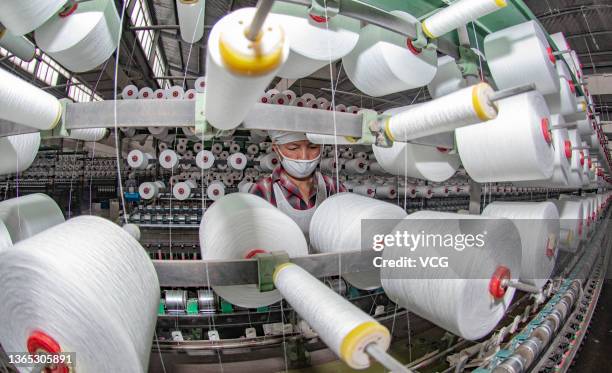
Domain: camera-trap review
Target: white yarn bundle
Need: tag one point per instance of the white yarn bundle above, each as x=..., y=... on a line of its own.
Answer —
x=145, y=93
x=316, y=138
x=130, y=92
x=18, y=152
x=268, y=162
x=21, y=17
x=240, y=225
x=28, y=215
x=571, y=223
x=520, y=55
x=377, y=64
x=448, y=78
x=313, y=41
x=215, y=190
x=584, y=127
x=417, y=161
x=488, y=156
x=175, y=92
x=23, y=103
x=184, y=189
x=88, y=134
x=18, y=45
x=538, y=225
x=237, y=85
x=101, y=295
x=168, y=159
x=133, y=230
x=139, y=160
x=336, y=227
x=386, y=192
x=82, y=37
x=191, y=19
x=458, y=14
x=344, y=328
x=367, y=190
x=356, y=166
x=467, y=106
x=151, y=189
x=200, y=84
x=237, y=161
x=159, y=94
x=456, y=298
x=205, y=159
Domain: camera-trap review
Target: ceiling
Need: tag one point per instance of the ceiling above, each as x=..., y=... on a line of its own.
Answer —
x=583, y=22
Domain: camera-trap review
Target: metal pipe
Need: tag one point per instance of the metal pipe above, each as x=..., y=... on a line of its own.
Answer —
x=385, y=359
x=500, y=95
x=263, y=9
x=521, y=286
x=154, y=27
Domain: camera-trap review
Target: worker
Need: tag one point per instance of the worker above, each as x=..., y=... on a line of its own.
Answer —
x=295, y=187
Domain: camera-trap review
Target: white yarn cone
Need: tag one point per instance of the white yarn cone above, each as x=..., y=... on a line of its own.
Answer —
x=145, y=93
x=268, y=162
x=200, y=84
x=215, y=190
x=18, y=46
x=238, y=225
x=448, y=78
x=205, y=159
x=23, y=103
x=83, y=38
x=190, y=94
x=191, y=19
x=139, y=160
x=28, y=215
x=488, y=156
x=184, y=189
x=520, y=55
x=336, y=227
x=237, y=161
x=104, y=305
x=168, y=159
x=21, y=17
x=238, y=86
x=314, y=41
x=88, y=134
x=571, y=223
x=130, y=92
x=18, y=152
x=344, y=328
x=417, y=161
x=133, y=230
x=377, y=64
x=538, y=225
x=175, y=92
x=456, y=298
x=159, y=94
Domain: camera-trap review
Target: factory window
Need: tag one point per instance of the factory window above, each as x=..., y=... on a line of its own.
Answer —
x=79, y=92
x=24, y=65
x=140, y=18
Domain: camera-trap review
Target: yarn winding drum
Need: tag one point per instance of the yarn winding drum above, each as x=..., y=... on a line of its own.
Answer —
x=240, y=225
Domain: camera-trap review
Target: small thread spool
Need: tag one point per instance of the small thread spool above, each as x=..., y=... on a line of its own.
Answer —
x=151, y=189
x=268, y=162
x=237, y=161
x=129, y=92
x=205, y=159
x=175, y=93
x=190, y=94
x=159, y=94
x=216, y=148
x=184, y=189
x=200, y=84
x=215, y=190
x=145, y=93
x=168, y=159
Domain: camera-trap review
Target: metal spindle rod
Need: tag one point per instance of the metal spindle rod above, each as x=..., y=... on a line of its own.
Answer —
x=562, y=52
x=564, y=125
x=263, y=9
x=385, y=359
x=581, y=147
x=521, y=286
x=500, y=95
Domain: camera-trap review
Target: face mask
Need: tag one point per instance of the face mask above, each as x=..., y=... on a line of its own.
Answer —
x=299, y=168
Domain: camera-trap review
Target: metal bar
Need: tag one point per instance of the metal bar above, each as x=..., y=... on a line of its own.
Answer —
x=154, y=27
x=362, y=96
x=193, y=273
x=181, y=113
x=500, y=95
x=521, y=286
x=385, y=359
x=263, y=9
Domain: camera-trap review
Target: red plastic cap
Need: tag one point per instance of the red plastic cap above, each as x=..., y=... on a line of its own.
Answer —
x=216, y=192
x=281, y=101
x=496, y=288
x=581, y=158
x=181, y=191
x=546, y=130
x=239, y=160
x=318, y=19
x=160, y=95
x=572, y=86
x=274, y=161
x=551, y=56
x=168, y=158
x=264, y=100
x=254, y=252
x=146, y=190
x=315, y=106
x=442, y=149
x=41, y=342
x=145, y=94
x=300, y=104
x=568, y=149
x=175, y=94
x=69, y=11
x=416, y=51
x=134, y=158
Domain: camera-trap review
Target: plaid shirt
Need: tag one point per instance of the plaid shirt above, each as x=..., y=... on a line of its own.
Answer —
x=264, y=188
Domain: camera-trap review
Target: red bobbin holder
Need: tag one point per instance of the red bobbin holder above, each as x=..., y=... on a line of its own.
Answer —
x=496, y=284
x=317, y=19
x=546, y=130
x=254, y=252
x=40, y=342
x=412, y=48
x=568, y=149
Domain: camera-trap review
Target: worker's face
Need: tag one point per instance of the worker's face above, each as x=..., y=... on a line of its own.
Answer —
x=300, y=150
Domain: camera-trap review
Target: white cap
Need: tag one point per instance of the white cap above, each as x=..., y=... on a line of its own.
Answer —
x=285, y=137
